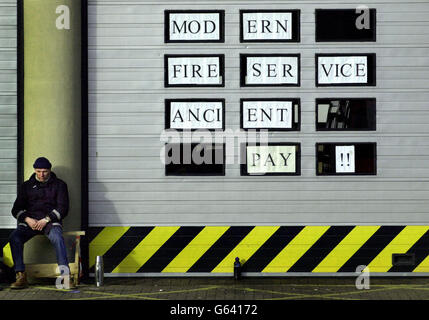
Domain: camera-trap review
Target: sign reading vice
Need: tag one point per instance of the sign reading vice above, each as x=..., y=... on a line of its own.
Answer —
x=194, y=70
x=343, y=70
x=194, y=26
x=270, y=70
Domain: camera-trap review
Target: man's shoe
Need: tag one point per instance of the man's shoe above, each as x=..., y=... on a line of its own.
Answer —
x=21, y=281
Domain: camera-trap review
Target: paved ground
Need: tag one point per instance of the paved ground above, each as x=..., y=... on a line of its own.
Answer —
x=201, y=289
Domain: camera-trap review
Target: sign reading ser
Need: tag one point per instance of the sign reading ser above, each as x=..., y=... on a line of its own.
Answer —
x=194, y=70
x=194, y=114
x=272, y=159
x=269, y=25
x=270, y=70
x=270, y=114
x=194, y=26
x=340, y=70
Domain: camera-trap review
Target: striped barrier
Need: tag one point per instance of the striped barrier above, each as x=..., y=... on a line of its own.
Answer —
x=262, y=249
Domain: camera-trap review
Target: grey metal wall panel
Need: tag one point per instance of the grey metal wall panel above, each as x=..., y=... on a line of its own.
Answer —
x=127, y=182
x=8, y=110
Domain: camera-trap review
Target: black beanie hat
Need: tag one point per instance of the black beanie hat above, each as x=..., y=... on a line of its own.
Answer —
x=42, y=163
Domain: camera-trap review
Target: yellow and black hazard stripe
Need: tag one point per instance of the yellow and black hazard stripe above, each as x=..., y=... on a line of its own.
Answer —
x=262, y=249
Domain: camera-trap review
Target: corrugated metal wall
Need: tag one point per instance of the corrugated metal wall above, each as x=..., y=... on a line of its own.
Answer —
x=127, y=182
x=8, y=110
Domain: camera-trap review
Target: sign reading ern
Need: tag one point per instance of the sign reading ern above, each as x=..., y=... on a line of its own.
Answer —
x=194, y=26
x=269, y=25
x=194, y=70
x=270, y=70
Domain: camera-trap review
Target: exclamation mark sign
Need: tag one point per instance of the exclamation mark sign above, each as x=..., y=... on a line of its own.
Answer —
x=342, y=159
x=348, y=159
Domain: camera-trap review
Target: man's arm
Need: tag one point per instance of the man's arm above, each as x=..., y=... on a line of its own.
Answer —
x=19, y=209
x=62, y=208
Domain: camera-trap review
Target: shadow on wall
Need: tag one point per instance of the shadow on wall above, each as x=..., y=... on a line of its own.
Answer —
x=113, y=243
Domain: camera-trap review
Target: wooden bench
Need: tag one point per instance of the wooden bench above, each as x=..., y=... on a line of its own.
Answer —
x=51, y=270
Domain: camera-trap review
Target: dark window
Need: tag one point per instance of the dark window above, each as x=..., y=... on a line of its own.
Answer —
x=346, y=158
x=345, y=25
x=194, y=159
x=345, y=114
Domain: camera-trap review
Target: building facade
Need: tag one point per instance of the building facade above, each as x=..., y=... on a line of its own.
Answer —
x=321, y=109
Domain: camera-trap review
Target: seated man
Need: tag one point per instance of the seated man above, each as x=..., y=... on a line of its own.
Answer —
x=40, y=207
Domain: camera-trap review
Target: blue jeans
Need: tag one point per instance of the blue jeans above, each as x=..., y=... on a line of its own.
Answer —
x=22, y=234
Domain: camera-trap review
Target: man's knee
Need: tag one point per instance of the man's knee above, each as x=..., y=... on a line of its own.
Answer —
x=16, y=237
x=56, y=235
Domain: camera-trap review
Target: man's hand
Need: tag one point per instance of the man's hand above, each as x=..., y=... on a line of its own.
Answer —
x=31, y=222
x=40, y=224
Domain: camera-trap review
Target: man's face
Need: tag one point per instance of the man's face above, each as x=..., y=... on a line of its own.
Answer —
x=42, y=174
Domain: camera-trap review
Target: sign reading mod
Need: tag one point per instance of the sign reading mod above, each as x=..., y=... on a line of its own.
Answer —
x=269, y=25
x=345, y=70
x=194, y=26
x=270, y=70
x=195, y=114
x=194, y=70
x=270, y=114
x=272, y=159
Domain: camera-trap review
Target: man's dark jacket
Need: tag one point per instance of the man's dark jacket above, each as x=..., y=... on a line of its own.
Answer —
x=38, y=200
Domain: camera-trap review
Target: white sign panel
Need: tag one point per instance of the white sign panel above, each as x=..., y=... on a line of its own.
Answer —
x=194, y=26
x=267, y=114
x=272, y=70
x=271, y=159
x=267, y=26
x=342, y=69
x=194, y=71
x=196, y=115
x=345, y=159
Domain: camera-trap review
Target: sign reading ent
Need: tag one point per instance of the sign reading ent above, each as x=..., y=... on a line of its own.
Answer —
x=275, y=114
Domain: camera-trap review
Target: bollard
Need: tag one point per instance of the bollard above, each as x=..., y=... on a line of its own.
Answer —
x=99, y=271
x=237, y=269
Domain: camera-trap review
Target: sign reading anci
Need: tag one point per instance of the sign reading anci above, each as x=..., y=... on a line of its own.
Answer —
x=194, y=114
